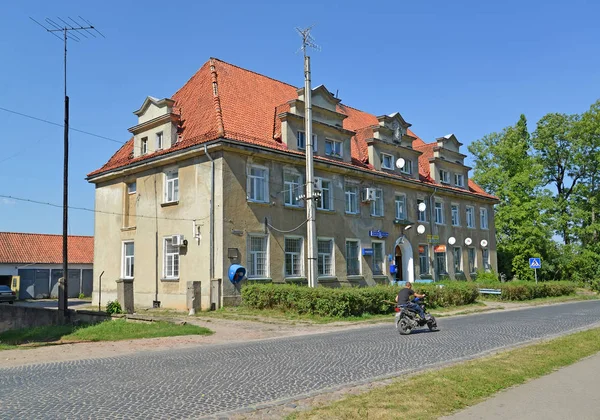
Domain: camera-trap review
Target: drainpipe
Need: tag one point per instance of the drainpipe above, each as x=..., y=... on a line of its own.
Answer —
x=212, y=215
x=433, y=232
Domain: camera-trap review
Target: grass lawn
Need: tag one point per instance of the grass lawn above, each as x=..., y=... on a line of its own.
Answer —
x=104, y=331
x=457, y=387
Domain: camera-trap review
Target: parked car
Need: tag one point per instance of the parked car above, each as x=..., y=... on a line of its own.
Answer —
x=7, y=295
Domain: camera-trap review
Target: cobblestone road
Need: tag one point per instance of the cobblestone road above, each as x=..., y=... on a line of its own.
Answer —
x=191, y=383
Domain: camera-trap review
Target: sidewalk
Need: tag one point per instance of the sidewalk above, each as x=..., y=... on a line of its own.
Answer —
x=571, y=392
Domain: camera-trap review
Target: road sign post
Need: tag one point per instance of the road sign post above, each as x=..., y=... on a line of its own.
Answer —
x=535, y=263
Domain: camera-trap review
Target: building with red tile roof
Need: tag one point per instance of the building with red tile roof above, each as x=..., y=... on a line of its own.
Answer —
x=221, y=163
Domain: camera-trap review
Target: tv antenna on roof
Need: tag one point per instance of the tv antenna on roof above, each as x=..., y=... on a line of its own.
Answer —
x=307, y=40
x=70, y=30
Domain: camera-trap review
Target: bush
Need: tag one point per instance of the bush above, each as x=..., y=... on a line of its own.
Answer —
x=526, y=290
x=595, y=285
x=486, y=277
x=347, y=301
x=113, y=307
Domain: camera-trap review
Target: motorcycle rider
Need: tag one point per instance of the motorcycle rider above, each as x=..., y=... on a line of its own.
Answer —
x=403, y=299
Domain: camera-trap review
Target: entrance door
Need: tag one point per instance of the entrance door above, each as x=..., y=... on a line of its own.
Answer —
x=398, y=263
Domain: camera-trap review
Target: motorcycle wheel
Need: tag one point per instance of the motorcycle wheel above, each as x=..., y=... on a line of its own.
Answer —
x=432, y=324
x=403, y=327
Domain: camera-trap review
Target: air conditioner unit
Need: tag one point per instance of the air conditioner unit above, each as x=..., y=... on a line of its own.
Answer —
x=177, y=240
x=369, y=194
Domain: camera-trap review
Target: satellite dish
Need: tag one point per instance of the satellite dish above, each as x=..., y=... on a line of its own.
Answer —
x=468, y=241
x=420, y=229
x=422, y=206
x=452, y=240
x=483, y=243
x=400, y=163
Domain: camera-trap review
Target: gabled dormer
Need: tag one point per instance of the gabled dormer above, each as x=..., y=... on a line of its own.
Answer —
x=447, y=163
x=157, y=127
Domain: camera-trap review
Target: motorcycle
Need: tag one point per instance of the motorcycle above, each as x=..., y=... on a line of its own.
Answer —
x=408, y=319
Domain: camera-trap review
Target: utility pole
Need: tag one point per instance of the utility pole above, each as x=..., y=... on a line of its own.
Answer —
x=311, y=205
x=68, y=31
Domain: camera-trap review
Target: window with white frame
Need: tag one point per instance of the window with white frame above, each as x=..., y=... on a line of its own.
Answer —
x=470, y=217
x=424, y=259
x=483, y=218
x=291, y=188
x=387, y=161
x=408, y=167
x=421, y=215
x=439, y=213
x=172, y=186
x=144, y=145
x=352, y=257
x=293, y=257
x=444, y=176
x=485, y=254
x=400, y=206
x=378, y=258
x=258, y=264
x=457, y=253
x=326, y=200
x=301, y=140
x=128, y=260
x=333, y=148
x=455, y=215
x=132, y=188
x=171, y=259
x=325, y=257
x=459, y=180
x=351, y=192
x=440, y=260
x=377, y=203
x=471, y=254
x=258, y=184
x=159, y=140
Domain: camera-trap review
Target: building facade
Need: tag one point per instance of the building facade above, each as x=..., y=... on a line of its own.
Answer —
x=215, y=176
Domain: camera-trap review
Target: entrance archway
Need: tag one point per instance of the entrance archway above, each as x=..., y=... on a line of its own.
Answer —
x=405, y=268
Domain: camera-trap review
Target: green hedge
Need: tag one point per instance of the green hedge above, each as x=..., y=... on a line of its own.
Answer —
x=348, y=301
x=525, y=290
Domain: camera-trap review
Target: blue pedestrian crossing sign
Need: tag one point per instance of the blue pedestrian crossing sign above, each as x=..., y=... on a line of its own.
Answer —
x=535, y=263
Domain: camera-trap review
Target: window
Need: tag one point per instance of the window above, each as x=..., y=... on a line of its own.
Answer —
x=172, y=186
x=470, y=217
x=144, y=146
x=377, y=203
x=258, y=184
x=455, y=215
x=421, y=215
x=378, y=258
x=439, y=213
x=333, y=148
x=159, y=140
x=444, y=177
x=171, y=268
x=301, y=141
x=325, y=257
x=131, y=188
x=457, y=259
x=485, y=254
x=401, y=207
x=351, y=191
x=407, y=168
x=440, y=260
x=128, y=261
x=424, y=259
x=293, y=257
x=326, y=200
x=387, y=161
x=352, y=258
x=483, y=219
x=291, y=189
x=459, y=180
x=471, y=260
x=258, y=266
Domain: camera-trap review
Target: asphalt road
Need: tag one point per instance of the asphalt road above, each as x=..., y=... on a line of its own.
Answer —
x=205, y=381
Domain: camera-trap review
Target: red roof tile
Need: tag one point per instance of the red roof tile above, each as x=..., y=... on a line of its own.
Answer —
x=225, y=101
x=28, y=248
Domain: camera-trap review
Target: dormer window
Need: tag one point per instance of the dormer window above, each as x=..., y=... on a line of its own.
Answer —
x=459, y=180
x=444, y=177
x=144, y=146
x=159, y=140
x=387, y=161
x=407, y=168
x=333, y=148
x=301, y=141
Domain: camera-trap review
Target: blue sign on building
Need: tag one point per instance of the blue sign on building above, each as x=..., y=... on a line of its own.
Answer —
x=535, y=263
x=367, y=251
x=378, y=234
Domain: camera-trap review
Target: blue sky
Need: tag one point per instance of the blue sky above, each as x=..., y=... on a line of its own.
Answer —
x=467, y=67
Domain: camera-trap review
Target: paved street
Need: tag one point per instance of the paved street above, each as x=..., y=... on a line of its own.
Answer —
x=191, y=383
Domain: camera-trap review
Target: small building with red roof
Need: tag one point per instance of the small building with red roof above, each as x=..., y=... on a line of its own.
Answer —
x=214, y=177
